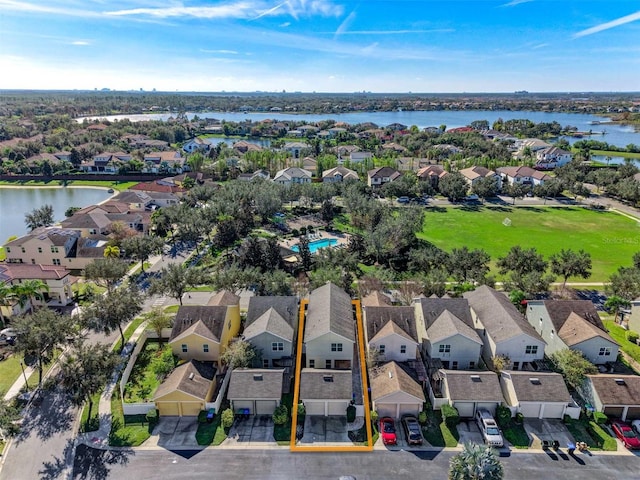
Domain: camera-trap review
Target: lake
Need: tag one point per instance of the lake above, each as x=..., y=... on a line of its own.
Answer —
x=619, y=135
x=16, y=202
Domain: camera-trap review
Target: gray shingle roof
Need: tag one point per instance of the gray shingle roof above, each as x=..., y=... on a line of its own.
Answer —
x=329, y=310
x=499, y=317
x=401, y=317
x=323, y=384
x=445, y=317
x=211, y=317
x=538, y=386
x=182, y=379
x=255, y=383
x=447, y=325
x=391, y=378
x=473, y=386
x=272, y=322
x=569, y=326
x=625, y=391
x=286, y=306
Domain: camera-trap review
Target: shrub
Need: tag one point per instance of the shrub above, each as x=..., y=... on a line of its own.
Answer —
x=295, y=232
x=164, y=363
x=503, y=416
x=422, y=417
x=519, y=418
x=374, y=416
x=602, y=438
x=600, y=418
x=226, y=418
x=301, y=409
x=351, y=413
x=152, y=416
x=280, y=415
x=566, y=419
x=303, y=230
x=450, y=415
x=632, y=336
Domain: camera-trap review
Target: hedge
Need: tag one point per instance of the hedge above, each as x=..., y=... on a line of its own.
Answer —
x=602, y=438
x=600, y=418
x=450, y=415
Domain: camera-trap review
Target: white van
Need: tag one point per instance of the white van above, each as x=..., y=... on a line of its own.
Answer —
x=489, y=428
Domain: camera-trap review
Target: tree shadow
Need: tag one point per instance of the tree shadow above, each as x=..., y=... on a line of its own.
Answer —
x=52, y=415
x=95, y=464
x=56, y=467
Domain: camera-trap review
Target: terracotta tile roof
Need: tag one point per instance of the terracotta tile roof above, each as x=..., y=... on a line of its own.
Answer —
x=25, y=271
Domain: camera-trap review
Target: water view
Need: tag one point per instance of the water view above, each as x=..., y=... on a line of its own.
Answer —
x=16, y=202
x=619, y=135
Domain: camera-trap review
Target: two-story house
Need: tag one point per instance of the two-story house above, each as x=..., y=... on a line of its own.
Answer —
x=329, y=331
x=338, y=174
x=503, y=329
x=475, y=173
x=382, y=175
x=573, y=324
x=43, y=246
x=432, y=174
x=523, y=176
x=164, y=162
x=552, y=157
x=391, y=332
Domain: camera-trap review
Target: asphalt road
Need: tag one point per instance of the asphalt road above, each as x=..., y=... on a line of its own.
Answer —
x=384, y=465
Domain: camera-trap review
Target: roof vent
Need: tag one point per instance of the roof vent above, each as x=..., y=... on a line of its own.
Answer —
x=257, y=377
x=328, y=378
x=535, y=381
x=475, y=378
x=191, y=375
x=620, y=381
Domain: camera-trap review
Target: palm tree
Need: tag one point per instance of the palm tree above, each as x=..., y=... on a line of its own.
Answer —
x=29, y=290
x=112, y=251
x=7, y=294
x=476, y=462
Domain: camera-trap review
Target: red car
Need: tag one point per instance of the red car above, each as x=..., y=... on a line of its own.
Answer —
x=388, y=431
x=626, y=434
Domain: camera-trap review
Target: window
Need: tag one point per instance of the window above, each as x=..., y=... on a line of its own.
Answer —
x=22, y=248
x=454, y=365
x=327, y=364
x=312, y=363
x=54, y=249
x=39, y=249
x=205, y=348
x=184, y=348
x=472, y=365
x=605, y=351
x=381, y=348
x=531, y=350
x=8, y=249
x=552, y=332
x=336, y=347
x=33, y=261
x=56, y=261
x=265, y=363
x=516, y=365
x=444, y=349
x=277, y=346
x=403, y=349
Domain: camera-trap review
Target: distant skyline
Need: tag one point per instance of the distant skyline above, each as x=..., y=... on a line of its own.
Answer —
x=321, y=45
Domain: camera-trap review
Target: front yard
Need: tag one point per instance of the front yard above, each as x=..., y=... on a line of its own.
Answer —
x=589, y=432
x=210, y=433
x=619, y=334
x=437, y=432
x=127, y=430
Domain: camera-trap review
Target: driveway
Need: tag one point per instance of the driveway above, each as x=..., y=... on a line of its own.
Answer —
x=469, y=432
x=255, y=431
x=320, y=430
x=547, y=429
x=175, y=432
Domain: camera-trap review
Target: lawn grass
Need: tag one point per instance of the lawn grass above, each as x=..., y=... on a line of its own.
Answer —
x=126, y=432
x=437, y=433
x=608, y=153
x=516, y=435
x=145, y=376
x=211, y=433
x=91, y=424
x=116, y=185
x=128, y=332
x=9, y=372
x=172, y=309
x=610, y=238
x=3, y=254
x=619, y=334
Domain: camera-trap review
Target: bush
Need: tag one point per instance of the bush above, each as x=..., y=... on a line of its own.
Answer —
x=374, y=416
x=280, y=415
x=302, y=411
x=519, y=418
x=422, y=417
x=450, y=415
x=351, y=413
x=632, y=336
x=567, y=419
x=602, y=438
x=503, y=416
x=226, y=418
x=600, y=418
x=303, y=230
x=295, y=232
x=163, y=364
x=152, y=416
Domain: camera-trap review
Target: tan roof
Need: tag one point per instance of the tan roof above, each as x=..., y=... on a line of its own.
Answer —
x=225, y=298
x=193, y=378
x=375, y=299
x=617, y=389
x=391, y=378
x=476, y=172
x=577, y=330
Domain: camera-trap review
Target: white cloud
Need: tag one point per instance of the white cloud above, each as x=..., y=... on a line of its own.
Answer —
x=80, y=42
x=346, y=23
x=396, y=32
x=229, y=52
x=606, y=26
x=513, y=3
x=15, y=6
x=284, y=24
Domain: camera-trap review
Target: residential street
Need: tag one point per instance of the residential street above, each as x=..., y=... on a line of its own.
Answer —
x=281, y=464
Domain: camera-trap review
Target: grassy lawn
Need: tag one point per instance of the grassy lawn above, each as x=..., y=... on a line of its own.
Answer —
x=609, y=238
x=516, y=435
x=437, y=433
x=201, y=288
x=128, y=332
x=619, y=335
x=91, y=424
x=153, y=363
x=9, y=372
x=3, y=254
x=584, y=430
x=172, y=309
x=119, y=186
x=84, y=292
x=211, y=433
x=129, y=431
x=607, y=153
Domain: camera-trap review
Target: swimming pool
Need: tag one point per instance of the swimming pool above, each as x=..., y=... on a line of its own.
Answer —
x=318, y=244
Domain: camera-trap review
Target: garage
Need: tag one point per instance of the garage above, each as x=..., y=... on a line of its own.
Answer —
x=386, y=409
x=256, y=390
x=613, y=411
x=633, y=413
x=314, y=408
x=530, y=410
x=465, y=409
x=265, y=407
x=325, y=392
x=337, y=408
x=238, y=405
x=168, y=409
x=469, y=390
x=552, y=410
x=536, y=395
x=186, y=390
x=395, y=391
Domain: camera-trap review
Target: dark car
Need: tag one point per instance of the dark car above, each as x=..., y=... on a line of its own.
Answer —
x=388, y=431
x=412, y=430
x=626, y=434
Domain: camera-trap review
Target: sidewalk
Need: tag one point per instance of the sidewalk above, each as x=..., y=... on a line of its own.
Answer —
x=19, y=384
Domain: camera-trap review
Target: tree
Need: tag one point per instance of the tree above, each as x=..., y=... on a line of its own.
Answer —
x=625, y=283
x=516, y=190
x=40, y=334
x=7, y=295
x=573, y=366
x=476, y=462
x=568, y=263
x=615, y=303
x=39, y=217
x=114, y=309
x=485, y=188
x=453, y=186
x=464, y=264
x=111, y=251
x=69, y=212
x=174, y=281
x=305, y=253
x=106, y=272
x=239, y=354
x=29, y=290
x=521, y=261
x=141, y=247
x=86, y=370
x=157, y=320
x=9, y=417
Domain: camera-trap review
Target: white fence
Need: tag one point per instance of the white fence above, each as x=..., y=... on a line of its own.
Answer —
x=132, y=361
x=221, y=393
x=138, y=408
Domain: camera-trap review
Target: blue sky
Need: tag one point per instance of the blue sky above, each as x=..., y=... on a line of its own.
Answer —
x=321, y=45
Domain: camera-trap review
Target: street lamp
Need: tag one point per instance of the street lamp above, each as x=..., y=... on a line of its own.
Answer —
x=26, y=382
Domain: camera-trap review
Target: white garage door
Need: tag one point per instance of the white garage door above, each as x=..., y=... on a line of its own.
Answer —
x=265, y=407
x=530, y=410
x=409, y=408
x=489, y=406
x=314, y=407
x=338, y=408
x=553, y=411
x=386, y=410
x=465, y=409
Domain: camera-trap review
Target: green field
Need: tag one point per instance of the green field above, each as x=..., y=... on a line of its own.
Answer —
x=610, y=238
x=118, y=186
x=607, y=153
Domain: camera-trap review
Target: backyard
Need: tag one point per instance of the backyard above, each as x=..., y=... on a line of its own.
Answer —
x=610, y=238
x=152, y=365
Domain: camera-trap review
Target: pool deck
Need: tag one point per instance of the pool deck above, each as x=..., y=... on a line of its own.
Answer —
x=341, y=240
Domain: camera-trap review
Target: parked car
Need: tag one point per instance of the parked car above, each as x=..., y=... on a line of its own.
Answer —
x=412, y=430
x=626, y=434
x=403, y=200
x=388, y=431
x=489, y=428
x=636, y=426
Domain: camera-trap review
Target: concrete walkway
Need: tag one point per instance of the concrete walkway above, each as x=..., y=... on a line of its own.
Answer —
x=19, y=384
